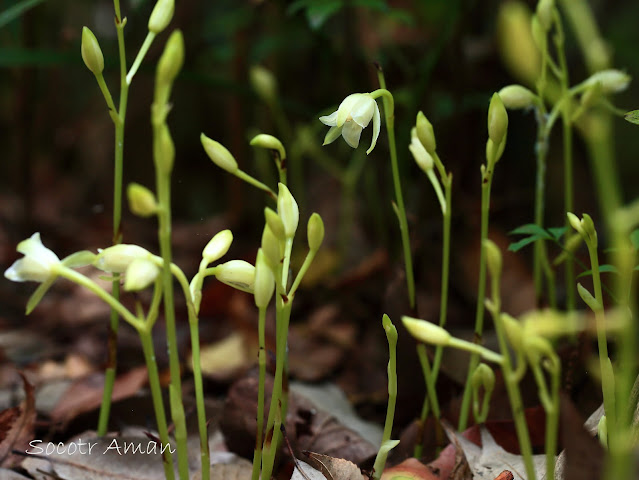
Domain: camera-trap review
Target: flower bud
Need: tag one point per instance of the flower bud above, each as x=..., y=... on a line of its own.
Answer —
x=588, y=298
x=425, y=133
x=91, y=52
x=545, y=13
x=264, y=83
x=264, y=281
x=161, y=15
x=271, y=247
x=514, y=330
x=172, y=58
x=538, y=33
x=493, y=154
x=219, y=154
x=483, y=376
x=611, y=80
x=269, y=142
x=275, y=224
x=237, y=274
x=141, y=200
x=426, y=332
x=497, y=120
x=116, y=259
x=163, y=149
x=288, y=210
x=140, y=273
x=515, y=42
x=315, y=232
x=493, y=258
x=516, y=96
x=575, y=223
x=589, y=228
x=420, y=154
x=217, y=246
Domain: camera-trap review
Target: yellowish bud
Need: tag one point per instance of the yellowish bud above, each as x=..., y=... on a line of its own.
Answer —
x=538, y=34
x=269, y=142
x=141, y=200
x=264, y=281
x=288, y=210
x=483, y=376
x=420, y=154
x=516, y=96
x=612, y=81
x=315, y=232
x=514, y=330
x=575, y=223
x=264, y=83
x=217, y=246
x=219, y=154
x=91, y=52
x=497, y=120
x=426, y=332
x=425, y=133
x=545, y=13
x=161, y=15
x=238, y=274
x=140, y=273
x=172, y=59
x=116, y=259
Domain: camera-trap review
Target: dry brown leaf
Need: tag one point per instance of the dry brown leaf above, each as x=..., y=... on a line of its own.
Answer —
x=236, y=469
x=335, y=468
x=85, y=394
x=16, y=427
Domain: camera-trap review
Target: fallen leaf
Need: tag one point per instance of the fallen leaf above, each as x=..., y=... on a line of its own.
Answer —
x=335, y=468
x=309, y=473
x=410, y=469
x=16, y=427
x=224, y=359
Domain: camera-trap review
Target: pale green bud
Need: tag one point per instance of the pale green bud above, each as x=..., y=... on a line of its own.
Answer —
x=516, y=96
x=116, y=259
x=497, y=120
x=91, y=52
x=425, y=133
x=163, y=149
x=589, y=229
x=288, y=210
x=588, y=298
x=219, y=154
x=237, y=274
x=483, y=376
x=172, y=58
x=275, y=224
x=575, y=223
x=264, y=281
x=514, y=330
x=545, y=13
x=493, y=154
x=140, y=273
x=538, y=33
x=426, y=332
x=141, y=200
x=420, y=154
x=315, y=232
x=493, y=258
x=264, y=83
x=611, y=80
x=161, y=15
x=271, y=247
x=217, y=246
x=269, y=142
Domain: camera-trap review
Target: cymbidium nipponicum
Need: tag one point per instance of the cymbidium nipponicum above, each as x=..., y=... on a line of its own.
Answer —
x=39, y=264
x=353, y=115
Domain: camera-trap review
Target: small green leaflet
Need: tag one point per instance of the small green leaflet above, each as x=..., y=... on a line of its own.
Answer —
x=632, y=117
x=534, y=232
x=604, y=269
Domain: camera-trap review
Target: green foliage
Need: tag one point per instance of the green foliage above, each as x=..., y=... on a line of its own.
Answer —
x=17, y=10
x=535, y=232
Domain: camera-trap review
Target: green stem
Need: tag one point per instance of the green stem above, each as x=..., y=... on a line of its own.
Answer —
x=541, y=150
x=140, y=56
x=105, y=92
x=256, y=183
x=257, y=457
x=487, y=178
x=399, y=198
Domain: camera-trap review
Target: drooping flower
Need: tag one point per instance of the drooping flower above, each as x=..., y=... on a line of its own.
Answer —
x=39, y=264
x=353, y=115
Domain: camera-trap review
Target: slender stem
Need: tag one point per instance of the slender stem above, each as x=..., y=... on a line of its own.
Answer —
x=429, y=379
x=481, y=294
x=541, y=151
x=302, y=271
x=140, y=56
x=199, y=399
x=399, y=198
x=256, y=183
x=105, y=92
x=257, y=457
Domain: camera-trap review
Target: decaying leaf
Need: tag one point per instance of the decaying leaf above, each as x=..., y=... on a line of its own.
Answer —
x=490, y=460
x=309, y=472
x=410, y=469
x=335, y=468
x=16, y=427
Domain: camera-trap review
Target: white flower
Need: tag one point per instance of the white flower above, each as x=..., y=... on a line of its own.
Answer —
x=140, y=273
x=38, y=264
x=116, y=259
x=354, y=114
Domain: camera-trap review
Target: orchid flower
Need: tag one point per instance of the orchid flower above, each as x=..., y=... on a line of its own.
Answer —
x=39, y=264
x=353, y=115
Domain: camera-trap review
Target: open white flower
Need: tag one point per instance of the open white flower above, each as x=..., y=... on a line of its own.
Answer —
x=39, y=264
x=353, y=115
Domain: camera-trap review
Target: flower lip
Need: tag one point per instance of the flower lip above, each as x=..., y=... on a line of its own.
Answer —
x=38, y=264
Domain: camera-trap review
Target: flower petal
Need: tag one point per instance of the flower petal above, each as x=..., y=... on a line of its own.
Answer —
x=330, y=120
x=345, y=108
x=363, y=110
x=332, y=135
x=351, y=132
x=377, y=125
x=33, y=247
